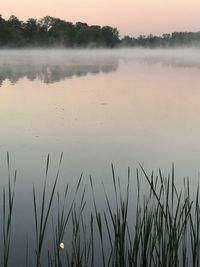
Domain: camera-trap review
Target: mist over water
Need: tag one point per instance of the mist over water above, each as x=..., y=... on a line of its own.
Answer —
x=51, y=65
x=124, y=105
x=97, y=106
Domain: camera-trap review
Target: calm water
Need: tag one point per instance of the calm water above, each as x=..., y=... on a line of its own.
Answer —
x=97, y=107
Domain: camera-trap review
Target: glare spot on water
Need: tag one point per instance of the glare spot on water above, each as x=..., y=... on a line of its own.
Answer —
x=62, y=245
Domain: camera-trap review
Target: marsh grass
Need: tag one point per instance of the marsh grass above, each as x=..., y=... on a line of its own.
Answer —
x=8, y=202
x=42, y=215
x=158, y=228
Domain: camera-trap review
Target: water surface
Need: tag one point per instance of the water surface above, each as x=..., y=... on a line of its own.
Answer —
x=98, y=107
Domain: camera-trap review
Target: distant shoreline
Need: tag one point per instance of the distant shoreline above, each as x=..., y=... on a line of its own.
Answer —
x=51, y=32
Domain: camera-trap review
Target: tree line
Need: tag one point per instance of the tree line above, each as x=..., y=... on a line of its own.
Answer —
x=175, y=39
x=50, y=31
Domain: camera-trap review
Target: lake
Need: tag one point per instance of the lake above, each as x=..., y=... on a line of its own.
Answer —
x=97, y=107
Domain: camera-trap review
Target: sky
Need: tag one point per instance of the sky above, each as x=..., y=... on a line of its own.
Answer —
x=132, y=17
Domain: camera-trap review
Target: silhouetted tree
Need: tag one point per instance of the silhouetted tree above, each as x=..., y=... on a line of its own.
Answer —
x=128, y=41
x=15, y=32
x=4, y=32
x=31, y=29
x=96, y=37
x=50, y=31
x=110, y=36
x=82, y=34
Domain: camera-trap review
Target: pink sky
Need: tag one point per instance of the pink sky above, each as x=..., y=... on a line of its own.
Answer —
x=131, y=17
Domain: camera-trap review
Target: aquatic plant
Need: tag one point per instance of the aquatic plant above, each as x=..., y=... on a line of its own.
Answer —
x=41, y=217
x=157, y=228
x=8, y=201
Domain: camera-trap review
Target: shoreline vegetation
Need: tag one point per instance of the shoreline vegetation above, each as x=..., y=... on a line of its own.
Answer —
x=54, y=32
x=163, y=230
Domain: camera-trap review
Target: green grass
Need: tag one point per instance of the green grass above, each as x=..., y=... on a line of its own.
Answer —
x=158, y=228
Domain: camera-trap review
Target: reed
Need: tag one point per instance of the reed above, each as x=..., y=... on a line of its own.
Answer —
x=42, y=215
x=8, y=202
x=133, y=229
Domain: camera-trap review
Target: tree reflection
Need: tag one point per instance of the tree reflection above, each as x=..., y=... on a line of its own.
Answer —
x=50, y=73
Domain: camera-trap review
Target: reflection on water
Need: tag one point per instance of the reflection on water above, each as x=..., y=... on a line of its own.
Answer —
x=174, y=62
x=141, y=111
x=175, y=58
x=50, y=74
x=51, y=66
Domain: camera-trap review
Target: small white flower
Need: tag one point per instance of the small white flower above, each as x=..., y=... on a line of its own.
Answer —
x=62, y=245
